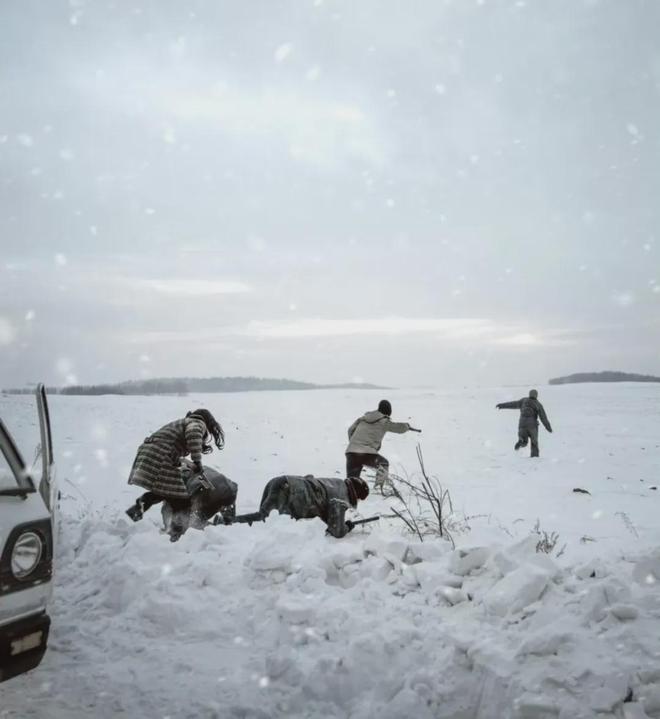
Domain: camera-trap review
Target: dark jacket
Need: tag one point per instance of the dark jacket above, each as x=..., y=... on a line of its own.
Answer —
x=307, y=497
x=157, y=464
x=531, y=411
x=205, y=503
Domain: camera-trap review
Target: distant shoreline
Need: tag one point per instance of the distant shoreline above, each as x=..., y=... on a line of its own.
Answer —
x=181, y=386
x=582, y=377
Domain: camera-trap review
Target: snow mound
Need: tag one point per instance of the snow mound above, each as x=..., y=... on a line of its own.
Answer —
x=280, y=620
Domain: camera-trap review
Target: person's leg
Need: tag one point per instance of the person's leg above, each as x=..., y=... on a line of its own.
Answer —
x=180, y=518
x=142, y=504
x=522, y=438
x=380, y=464
x=354, y=464
x=382, y=471
x=273, y=496
x=534, y=437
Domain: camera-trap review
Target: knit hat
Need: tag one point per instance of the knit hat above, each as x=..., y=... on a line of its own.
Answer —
x=385, y=407
x=533, y=393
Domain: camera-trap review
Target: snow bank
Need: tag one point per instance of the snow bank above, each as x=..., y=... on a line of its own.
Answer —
x=279, y=620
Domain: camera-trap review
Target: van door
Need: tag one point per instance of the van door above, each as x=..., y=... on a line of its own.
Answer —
x=47, y=485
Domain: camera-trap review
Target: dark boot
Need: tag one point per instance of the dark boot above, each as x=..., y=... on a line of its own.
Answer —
x=136, y=511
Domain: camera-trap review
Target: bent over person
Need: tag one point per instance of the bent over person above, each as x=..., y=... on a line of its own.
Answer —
x=157, y=466
x=205, y=504
x=531, y=410
x=307, y=497
x=365, y=437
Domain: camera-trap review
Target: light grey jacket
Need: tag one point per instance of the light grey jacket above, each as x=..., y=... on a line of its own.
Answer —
x=366, y=433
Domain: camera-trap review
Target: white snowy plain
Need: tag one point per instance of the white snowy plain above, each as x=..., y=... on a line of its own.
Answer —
x=280, y=620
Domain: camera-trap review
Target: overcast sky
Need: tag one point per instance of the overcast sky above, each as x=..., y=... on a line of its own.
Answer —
x=409, y=193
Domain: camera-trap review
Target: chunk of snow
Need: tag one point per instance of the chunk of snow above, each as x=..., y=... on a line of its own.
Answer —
x=464, y=561
x=516, y=590
x=624, y=612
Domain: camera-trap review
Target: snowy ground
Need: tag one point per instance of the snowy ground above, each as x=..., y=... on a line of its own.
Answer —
x=279, y=620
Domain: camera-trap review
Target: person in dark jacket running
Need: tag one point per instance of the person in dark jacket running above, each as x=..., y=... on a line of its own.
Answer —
x=157, y=466
x=531, y=411
x=307, y=497
x=365, y=436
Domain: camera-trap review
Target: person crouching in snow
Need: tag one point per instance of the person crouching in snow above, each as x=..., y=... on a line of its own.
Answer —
x=218, y=498
x=157, y=466
x=531, y=410
x=307, y=497
x=365, y=436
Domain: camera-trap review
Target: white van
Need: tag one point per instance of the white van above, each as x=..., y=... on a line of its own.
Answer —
x=27, y=529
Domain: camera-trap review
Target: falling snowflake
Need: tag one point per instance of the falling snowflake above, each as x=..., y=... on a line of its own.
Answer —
x=282, y=52
x=624, y=299
x=6, y=332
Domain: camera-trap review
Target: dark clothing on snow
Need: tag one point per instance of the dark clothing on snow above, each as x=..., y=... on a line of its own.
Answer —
x=307, y=497
x=531, y=411
x=355, y=462
x=201, y=504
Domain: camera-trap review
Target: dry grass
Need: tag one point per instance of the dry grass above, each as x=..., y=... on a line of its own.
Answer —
x=426, y=506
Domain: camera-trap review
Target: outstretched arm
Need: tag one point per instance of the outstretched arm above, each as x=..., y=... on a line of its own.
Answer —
x=398, y=427
x=509, y=405
x=544, y=418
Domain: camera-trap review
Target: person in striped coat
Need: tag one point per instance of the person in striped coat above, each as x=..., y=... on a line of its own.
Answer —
x=157, y=466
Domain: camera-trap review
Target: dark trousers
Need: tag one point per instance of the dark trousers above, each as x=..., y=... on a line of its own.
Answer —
x=355, y=463
x=148, y=499
x=531, y=433
x=275, y=496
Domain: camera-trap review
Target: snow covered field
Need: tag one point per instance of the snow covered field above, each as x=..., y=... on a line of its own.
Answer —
x=278, y=620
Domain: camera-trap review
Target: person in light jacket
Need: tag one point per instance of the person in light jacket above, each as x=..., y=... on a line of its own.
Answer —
x=365, y=437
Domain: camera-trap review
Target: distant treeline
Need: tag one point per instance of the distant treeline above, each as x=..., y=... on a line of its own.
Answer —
x=604, y=377
x=185, y=385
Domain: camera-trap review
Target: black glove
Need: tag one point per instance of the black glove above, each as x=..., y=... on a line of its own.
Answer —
x=498, y=406
x=349, y=525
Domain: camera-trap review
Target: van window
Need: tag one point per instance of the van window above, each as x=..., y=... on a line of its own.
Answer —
x=7, y=479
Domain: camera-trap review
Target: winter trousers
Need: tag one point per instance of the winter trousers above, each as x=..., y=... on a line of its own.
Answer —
x=529, y=432
x=148, y=499
x=355, y=462
x=275, y=496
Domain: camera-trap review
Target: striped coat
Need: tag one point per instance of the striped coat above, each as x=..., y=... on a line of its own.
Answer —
x=156, y=466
